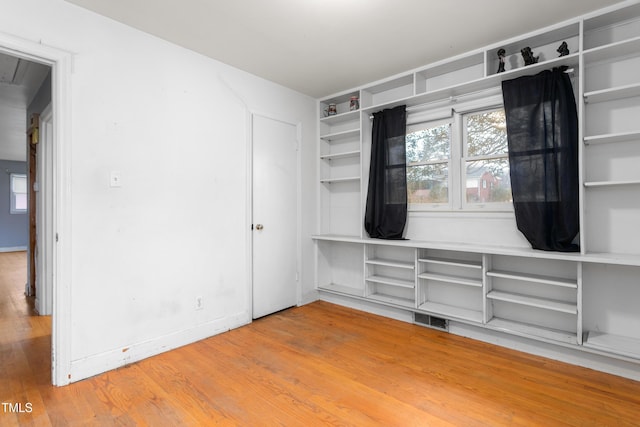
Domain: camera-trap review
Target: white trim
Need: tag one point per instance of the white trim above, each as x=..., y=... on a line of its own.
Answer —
x=62, y=64
x=14, y=249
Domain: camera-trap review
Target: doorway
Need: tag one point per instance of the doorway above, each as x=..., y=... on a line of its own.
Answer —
x=275, y=213
x=58, y=63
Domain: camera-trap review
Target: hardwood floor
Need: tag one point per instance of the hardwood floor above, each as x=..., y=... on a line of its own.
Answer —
x=319, y=364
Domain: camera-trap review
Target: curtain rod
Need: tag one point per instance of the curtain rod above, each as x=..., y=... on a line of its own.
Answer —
x=455, y=99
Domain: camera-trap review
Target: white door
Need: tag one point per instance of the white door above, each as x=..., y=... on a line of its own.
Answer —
x=275, y=216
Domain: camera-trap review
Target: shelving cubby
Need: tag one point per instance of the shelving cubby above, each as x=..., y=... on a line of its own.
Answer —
x=342, y=103
x=387, y=91
x=450, y=73
x=544, y=45
x=335, y=267
x=611, y=322
x=609, y=28
x=450, y=284
x=523, y=301
x=390, y=275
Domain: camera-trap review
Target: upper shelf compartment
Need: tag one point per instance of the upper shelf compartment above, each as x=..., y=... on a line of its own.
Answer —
x=387, y=91
x=612, y=28
x=450, y=73
x=341, y=103
x=544, y=46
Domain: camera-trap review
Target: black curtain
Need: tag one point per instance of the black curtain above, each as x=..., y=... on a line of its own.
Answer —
x=542, y=131
x=386, y=210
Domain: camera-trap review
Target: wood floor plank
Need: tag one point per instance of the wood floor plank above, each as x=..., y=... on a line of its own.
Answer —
x=316, y=365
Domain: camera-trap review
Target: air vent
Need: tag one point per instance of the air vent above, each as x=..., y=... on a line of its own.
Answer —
x=430, y=321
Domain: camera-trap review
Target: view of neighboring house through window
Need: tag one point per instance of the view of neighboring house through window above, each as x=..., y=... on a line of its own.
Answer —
x=459, y=163
x=18, y=193
x=486, y=162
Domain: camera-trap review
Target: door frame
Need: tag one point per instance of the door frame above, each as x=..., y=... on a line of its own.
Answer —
x=61, y=63
x=298, y=125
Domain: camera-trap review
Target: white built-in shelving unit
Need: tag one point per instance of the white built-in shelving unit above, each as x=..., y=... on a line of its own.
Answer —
x=581, y=300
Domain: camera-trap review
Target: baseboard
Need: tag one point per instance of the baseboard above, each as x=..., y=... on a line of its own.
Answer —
x=117, y=358
x=14, y=249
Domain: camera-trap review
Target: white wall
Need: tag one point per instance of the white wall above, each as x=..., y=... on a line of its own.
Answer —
x=174, y=123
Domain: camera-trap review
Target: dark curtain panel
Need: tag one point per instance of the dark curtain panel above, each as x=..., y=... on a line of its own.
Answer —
x=386, y=210
x=542, y=130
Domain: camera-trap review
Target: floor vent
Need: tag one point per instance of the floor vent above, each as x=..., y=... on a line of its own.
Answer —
x=430, y=321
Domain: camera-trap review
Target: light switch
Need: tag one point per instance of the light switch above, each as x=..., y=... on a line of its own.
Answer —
x=115, y=179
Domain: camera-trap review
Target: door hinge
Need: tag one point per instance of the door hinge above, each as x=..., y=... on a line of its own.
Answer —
x=56, y=237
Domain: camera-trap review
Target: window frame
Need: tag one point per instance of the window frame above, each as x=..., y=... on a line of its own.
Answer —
x=455, y=113
x=13, y=194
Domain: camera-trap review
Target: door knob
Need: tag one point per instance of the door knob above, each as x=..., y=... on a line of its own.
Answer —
x=259, y=227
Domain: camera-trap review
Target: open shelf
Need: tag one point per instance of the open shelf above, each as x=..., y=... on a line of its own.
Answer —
x=392, y=299
x=617, y=344
x=451, y=311
x=611, y=138
x=528, y=330
x=452, y=262
x=339, y=136
x=451, y=279
x=591, y=184
x=546, y=304
x=613, y=50
x=341, y=118
x=547, y=280
x=391, y=263
x=339, y=180
x=391, y=281
x=340, y=155
x=620, y=92
x=342, y=289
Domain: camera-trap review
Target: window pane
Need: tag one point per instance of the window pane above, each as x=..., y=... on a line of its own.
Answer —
x=428, y=183
x=21, y=202
x=18, y=183
x=428, y=144
x=488, y=181
x=486, y=133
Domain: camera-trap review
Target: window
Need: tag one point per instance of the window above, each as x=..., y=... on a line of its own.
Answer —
x=428, y=157
x=18, y=193
x=485, y=156
x=460, y=162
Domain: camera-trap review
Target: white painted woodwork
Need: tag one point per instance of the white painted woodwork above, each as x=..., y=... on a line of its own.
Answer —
x=275, y=215
x=475, y=268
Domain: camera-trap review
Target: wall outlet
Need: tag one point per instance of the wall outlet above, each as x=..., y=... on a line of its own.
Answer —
x=199, y=303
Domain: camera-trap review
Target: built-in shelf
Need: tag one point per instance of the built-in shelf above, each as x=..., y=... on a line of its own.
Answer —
x=535, y=278
x=391, y=281
x=613, y=50
x=611, y=138
x=341, y=118
x=611, y=94
x=390, y=263
x=338, y=180
x=592, y=184
x=391, y=299
x=451, y=279
x=338, y=136
x=617, y=344
x=544, y=303
x=528, y=330
x=343, y=289
x=452, y=262
x=344, y=155
x=451, y=311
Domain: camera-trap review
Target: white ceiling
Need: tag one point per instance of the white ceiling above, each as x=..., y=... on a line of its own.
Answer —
x=19, y=82
x=320, y=47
